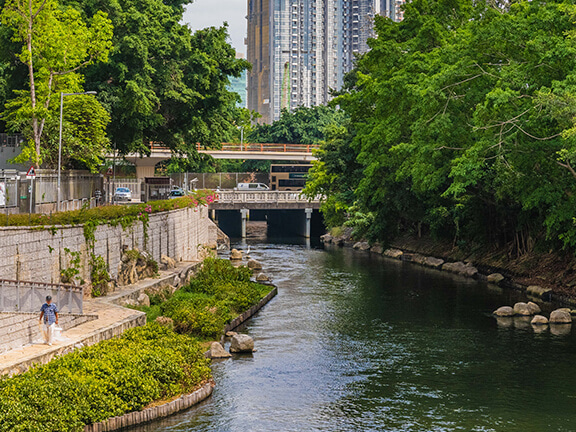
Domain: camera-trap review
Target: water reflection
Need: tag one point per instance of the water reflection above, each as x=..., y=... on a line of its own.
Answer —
x=355, y=342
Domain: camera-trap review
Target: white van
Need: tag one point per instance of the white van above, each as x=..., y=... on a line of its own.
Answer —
x=251, y=187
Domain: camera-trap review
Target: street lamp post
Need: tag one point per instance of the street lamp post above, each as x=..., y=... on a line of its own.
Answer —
x=59, y=198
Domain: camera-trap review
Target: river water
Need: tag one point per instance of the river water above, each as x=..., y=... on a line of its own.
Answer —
x=355, y=342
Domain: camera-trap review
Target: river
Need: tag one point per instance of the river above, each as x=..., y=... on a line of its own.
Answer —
x=355, y=342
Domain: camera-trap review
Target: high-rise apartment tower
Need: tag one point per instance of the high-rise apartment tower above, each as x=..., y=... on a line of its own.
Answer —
x=301, y=49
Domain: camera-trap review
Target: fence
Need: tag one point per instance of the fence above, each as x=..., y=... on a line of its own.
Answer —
x=41, y=194
x=20, y=296
x=217, y=180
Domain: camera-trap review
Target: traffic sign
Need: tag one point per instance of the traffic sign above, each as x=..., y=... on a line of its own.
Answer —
x=31, y=174
x=109, y=172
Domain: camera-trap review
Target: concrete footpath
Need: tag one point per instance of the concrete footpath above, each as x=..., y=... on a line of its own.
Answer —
x=113, y=320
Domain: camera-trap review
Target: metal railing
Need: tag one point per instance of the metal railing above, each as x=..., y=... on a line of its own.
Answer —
x=234, y=197
x=249, y=147
x=21, y=296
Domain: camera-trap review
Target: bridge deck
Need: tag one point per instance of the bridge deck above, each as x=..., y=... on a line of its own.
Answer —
x=264, y=200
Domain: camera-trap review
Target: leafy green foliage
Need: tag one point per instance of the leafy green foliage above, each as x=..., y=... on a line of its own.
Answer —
x=217, y=294
x=461, y=124
x=112, y=214
x=54, y=43
x=162, y=82
x=108, y=379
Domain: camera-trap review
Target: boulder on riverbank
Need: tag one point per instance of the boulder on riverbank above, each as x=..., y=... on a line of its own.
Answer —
x=377, y=249
x=254, y=265
x=433, y=262
x=504, y=311
x=538, y=291
x=217, y=351
x=522, y=309
x=393, y=253
x=561, y=316
x=539, y=320
x=495, y=278
x=241, y=343
x=235, y=255
x=362, y=246
x=326, y=238
x=534, y=308
x=460, y=268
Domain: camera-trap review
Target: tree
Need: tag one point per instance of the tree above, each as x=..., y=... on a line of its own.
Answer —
x=462, y=123
x=56, y=44
x=164, y=83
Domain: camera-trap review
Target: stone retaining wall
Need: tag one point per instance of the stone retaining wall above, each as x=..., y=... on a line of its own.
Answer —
x=37, y=254
x=18, y=329
x=154, y=413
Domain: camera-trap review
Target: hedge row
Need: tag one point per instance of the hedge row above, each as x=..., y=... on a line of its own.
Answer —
x=105, y=380
x=108, y=214
x=219, y=293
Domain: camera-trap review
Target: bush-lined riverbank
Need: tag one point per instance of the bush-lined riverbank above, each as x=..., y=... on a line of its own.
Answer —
x=111, y=378
x=144, y=367
x=217, y=294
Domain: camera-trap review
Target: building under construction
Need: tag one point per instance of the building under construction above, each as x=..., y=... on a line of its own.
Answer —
x=301, y=49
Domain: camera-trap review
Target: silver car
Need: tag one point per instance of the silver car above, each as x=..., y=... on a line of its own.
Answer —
x=122, y=194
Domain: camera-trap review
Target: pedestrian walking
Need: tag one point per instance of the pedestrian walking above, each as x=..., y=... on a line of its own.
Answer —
x=48, y=311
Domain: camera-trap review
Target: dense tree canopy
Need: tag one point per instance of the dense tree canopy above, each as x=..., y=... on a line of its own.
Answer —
x=164, y=83
x=160, y=82
x=462, y=122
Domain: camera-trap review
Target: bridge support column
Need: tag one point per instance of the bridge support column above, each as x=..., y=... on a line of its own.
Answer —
x=308, y=228
x=245, y=214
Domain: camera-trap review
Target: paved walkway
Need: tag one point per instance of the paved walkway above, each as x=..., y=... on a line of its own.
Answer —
x=112, y=321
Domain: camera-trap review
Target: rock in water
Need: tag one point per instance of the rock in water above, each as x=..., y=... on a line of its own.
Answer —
x=231, y=333
x=254, y=265
x=560, y=316
x=218, y=351
x=241, y=343
x=539, y=320
x=235, y=255
x=495, y=278
x=363, y=246
x=262, y=278
x=522, y=308
x=534, y=308
x=504, y=311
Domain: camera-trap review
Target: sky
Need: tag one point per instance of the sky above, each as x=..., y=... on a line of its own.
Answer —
x=208, y=13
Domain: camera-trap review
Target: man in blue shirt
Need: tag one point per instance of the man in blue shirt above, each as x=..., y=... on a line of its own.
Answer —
x=49, y=312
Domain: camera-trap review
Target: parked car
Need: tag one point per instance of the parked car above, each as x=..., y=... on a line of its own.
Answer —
x=176, y=193
x=122, y=194
x=251, y=187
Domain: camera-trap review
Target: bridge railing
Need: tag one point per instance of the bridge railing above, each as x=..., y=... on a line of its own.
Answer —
x=249, y=147
x=21, y=296
x=233, y=197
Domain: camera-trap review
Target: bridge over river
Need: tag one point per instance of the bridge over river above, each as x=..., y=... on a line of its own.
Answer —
x=290, y=213
x=248, y=151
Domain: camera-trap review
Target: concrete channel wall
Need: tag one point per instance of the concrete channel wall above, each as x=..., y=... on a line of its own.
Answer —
x=40, y=254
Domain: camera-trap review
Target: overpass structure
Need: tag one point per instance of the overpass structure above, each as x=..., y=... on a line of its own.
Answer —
x=249, y=151
x=289, y=213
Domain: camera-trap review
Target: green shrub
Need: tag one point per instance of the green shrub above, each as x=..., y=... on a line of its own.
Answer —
x=217, y=294
x=102, y=381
